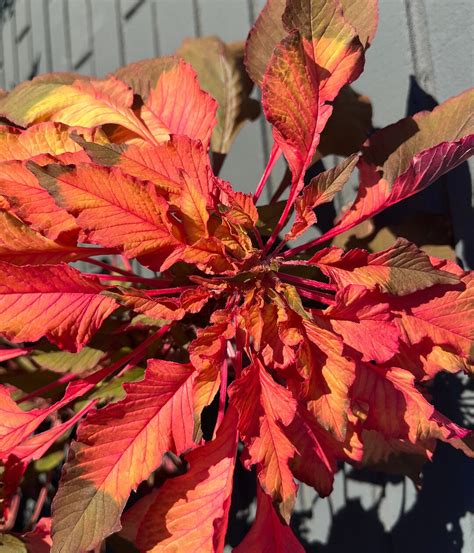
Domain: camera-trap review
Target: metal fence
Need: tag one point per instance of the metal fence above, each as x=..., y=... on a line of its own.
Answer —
x=423, y=53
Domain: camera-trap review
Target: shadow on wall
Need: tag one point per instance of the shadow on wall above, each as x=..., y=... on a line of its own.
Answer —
x=432, y=525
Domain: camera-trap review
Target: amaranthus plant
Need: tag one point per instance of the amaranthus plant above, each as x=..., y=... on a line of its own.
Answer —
x=235, y=343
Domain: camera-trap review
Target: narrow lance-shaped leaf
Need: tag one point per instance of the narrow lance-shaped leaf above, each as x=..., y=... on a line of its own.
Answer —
x=306, y=71
x=55, y=301
x=221, y=73
x=190, y=512
x=320, y=190
x=117, y=448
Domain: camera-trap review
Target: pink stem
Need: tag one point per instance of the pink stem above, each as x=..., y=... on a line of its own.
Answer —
x=59, y=382
x=282, y=220
x=109, y=267
x=274, y=156
x=122, y=278
x=126, y=263
x=167, y=291
x=222, y=395
x=307, y=282
x=303, y=247
x=323, y=298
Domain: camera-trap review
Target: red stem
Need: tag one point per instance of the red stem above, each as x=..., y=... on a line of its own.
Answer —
x=122, y=278
x=298, y=249
x=222, y=395
x=126, y=263
x=307, y=282
x=283, y=218
x=167, y=291
x=274, y=156
x=109, y=267
x=59, y=382
x=323, y=298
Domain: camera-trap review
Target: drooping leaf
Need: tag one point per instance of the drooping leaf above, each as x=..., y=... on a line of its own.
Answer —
x=221, y=73
x=34, y=205
x=365, y=323
x=53, y=301
x=265, y=408
x=444, y=316
x=191, y=114
x=399, y=270
x=190, y=511
x=117, y=448
x=84, y=103
x=20, y=245
x=268, y=534
x=397, y=409
x=98, y=195
x=315, y=462
x=330, y=375
x=267, y=32
x=142, y=76
x=363, y=15
x=44, y=138
x=320, y=190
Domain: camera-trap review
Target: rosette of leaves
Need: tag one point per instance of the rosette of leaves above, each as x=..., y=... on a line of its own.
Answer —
x=311, y=355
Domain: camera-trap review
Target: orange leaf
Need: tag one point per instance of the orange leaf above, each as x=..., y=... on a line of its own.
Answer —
x=97, y=196
x=399, y=270
x=20, y=245
x=192, y=114
x=55, y=301
x=190, y=511
x=34, y=205
x=118, y=447
x=265, y=408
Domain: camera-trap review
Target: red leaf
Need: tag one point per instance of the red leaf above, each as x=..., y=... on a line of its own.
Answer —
x=399, y=270
x=320, y=190
x=97, y=195
x=34, y=205
x=55, y=301
x=364, y=322
x=265, y=408
x=315, y=463
x=190, y=512
x=268, y=533
x=118, y=447
x=20, y=245
x=192, y=114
